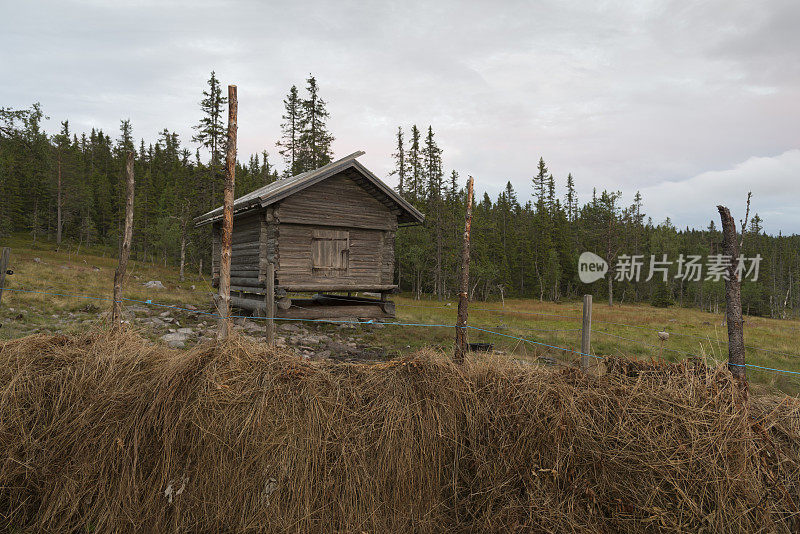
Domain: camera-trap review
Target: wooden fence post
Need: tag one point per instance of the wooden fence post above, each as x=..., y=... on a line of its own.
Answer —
x=125, y=249
x=224, y=300
x=463, y=297
x=733, y=296
x=270, y=303
x=4, y=257
x=586, y=332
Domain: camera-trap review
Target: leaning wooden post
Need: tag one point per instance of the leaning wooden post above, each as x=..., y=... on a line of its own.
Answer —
x=4, y=257
x=270, y=303
x=586, y=332
x=224, y=300
x=125, y=249
x=463, y=297
x=733, y=296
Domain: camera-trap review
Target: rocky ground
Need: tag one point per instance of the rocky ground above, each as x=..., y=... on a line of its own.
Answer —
x=182, y=329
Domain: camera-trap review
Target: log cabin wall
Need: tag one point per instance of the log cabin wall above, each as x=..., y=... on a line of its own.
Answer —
x=246, y=252
x=215, y=252
x=334, y=235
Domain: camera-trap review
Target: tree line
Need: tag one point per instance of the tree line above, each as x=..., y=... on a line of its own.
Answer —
x=68, y=187
x=530, y=247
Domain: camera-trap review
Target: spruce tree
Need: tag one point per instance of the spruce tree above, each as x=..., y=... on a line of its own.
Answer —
x=432, y=162
x=452, y=190
x=400, y=163
x=551, y=193
x=125, y=140
x=211, y=132
x=571, y=199
x=432, y=166
x=290, y=147
x=415, y=164
x=315, y=139
x=62, y=146
x=540, y=185
x=268, y=172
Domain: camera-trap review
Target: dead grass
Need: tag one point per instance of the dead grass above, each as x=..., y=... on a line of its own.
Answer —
x=110, y=433
x=630, y=332
x=73, y=271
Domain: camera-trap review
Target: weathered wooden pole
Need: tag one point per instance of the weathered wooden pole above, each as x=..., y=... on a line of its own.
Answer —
x=58, y=203
x=733, y=296
x=125, y=249
x=586, y=332
x=224, y=300
x=463, y=297
x=270, y=302
x=4, y=257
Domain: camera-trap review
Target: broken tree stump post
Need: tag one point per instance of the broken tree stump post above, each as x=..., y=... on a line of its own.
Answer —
x=463, y=296
x=4, y=258
x=586, y=332
x=270, y=303
x=733, y=296
x=224, y=300
x=125, y=248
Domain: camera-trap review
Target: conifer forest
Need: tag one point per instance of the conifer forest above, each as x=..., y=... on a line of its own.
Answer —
x=67, y=187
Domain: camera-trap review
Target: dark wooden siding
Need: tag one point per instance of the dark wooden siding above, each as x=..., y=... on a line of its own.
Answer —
x=337, y=201
x=368, y=261
x=284, y=235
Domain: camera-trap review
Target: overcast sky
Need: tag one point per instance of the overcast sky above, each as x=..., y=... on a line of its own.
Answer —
x=693, y=103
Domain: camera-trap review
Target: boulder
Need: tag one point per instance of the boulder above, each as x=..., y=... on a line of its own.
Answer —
x=322, y=355
x=250, y=326
x=154, y=284
x=174, y=337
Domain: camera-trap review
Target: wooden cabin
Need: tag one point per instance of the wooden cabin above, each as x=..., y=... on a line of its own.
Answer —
x=326, y=231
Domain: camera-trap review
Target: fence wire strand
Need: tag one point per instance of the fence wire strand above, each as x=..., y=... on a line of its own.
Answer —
x=149, y=302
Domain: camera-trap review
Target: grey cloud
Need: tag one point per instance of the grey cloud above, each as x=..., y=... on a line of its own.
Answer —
x=625, y=95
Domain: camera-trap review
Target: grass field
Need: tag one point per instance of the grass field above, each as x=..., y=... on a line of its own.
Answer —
x=626, y=330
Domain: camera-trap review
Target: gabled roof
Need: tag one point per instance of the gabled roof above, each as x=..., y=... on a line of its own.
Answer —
x=280, y=189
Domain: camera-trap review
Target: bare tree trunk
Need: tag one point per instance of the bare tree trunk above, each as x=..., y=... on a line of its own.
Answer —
x=609, y=260
x=224, y=301
x=463, y=297
x=58, y=204
x=733, y=296
x=125, y=248
x=35, y=218
x=183, y=249
x=5, y=256
x=439, y=292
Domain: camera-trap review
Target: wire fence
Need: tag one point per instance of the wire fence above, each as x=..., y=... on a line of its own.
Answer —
x=150, y=302
x=644, y=327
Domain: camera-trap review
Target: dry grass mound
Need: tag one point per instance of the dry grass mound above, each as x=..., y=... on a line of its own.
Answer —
x=110, y=433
